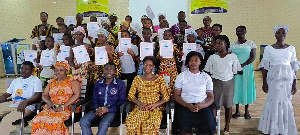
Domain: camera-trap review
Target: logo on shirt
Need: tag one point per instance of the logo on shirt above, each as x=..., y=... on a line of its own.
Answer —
x=24, y=87
x=113, y=91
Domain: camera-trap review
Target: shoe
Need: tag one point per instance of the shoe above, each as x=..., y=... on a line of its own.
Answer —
x=247, y=116
x=236, y=115
x=226, y=132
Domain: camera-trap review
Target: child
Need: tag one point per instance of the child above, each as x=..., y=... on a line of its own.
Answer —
x=191, y=38
x=222, y=66
x=128, y=61
x=112, y=56
x=63, y=29
x=60, y=21
x=48, y=71
x=200, y=39
x=146, y=36
x=128, y=19
x=169, y=64
x=80, y=70
x=93, y=18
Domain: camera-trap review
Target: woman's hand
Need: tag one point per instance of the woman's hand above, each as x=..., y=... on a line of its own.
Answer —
x=50, y=106
x=130, y=52
x=265, y=87
x=294, y=88
x=120, y=54
x=59, y=108
x=77, y=66
x=142, y=106
x=191, y=107
x=199, y=106
x=151, y=107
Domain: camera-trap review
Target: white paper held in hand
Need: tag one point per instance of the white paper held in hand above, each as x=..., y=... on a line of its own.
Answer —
x=124, y=45
x=93, y=29
x=149, y=12
x=100, y=55
x=70, y=20
x=47, y=58
x=166, y=48
x=58, y=38
x=81, y=54
x=146, y=49
x=188, y=47
x=30, y=55
x=64, y=53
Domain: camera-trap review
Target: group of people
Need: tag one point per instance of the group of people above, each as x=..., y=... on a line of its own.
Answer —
x=217, y=73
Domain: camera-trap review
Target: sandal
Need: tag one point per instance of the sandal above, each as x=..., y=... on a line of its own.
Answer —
x=247, y=116
x=236, y=115
x=226, y=132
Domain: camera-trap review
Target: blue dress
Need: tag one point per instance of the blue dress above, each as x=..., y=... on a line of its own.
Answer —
x=244, y=85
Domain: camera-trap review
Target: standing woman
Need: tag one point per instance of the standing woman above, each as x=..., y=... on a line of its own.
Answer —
x=222, y=66
x=279, y=69
x=244, y=85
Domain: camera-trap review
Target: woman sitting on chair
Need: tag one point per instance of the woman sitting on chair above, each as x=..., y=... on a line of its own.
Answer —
x=147, y=114
x=59, y=95
x=194, y=95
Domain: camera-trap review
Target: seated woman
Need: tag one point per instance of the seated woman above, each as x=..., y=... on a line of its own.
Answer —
x=147, y=113
x=194, y=95
x=59, y=95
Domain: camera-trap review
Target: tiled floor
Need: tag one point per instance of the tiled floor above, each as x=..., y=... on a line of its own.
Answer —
x=237, y=126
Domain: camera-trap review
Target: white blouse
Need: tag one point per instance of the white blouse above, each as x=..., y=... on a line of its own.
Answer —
x=223, y=68
x=247, y=44
x=194, y=86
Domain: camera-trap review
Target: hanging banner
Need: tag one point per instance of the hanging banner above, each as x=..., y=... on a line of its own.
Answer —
x=97, y=8
x=209, y=6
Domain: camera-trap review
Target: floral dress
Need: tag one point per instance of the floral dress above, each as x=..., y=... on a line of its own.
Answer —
x=51, y=122
x=169, y=65
x=148, y=92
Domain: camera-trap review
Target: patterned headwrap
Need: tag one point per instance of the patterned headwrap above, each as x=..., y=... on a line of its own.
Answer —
x=104, y=32
x=192, y=32
x=113, y=14
x=80, y=29
x=285, y=27
x=124, y=23
x=64, y=64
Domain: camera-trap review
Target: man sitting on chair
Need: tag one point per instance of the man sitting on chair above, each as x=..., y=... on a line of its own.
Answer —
x=109, y=94
x=25, y=91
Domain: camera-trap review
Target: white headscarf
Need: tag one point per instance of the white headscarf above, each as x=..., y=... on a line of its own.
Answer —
x=163, y=14
x=285, y=27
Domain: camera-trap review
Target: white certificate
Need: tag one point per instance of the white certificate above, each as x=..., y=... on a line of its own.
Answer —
x=42, y=37
x=47, y=58
x=119, y=35
x=64, y=53
x=136, y=27
x=101, y=57
x=188, y=47
x=70, y=20
x=30, y=55
x=93, y=29
x=81, y=54
x=146, y=49
x=124, y=45
x=166, y=48
x=149, y=12
x=186, y=32
x=161, y=33
x=58, y=38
